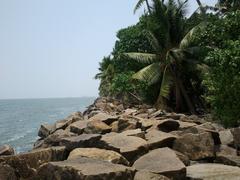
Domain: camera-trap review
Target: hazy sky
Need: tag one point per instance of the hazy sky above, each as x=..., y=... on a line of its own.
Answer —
x=51, y=48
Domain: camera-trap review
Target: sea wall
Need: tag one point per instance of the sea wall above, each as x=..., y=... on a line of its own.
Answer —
x=112, y=140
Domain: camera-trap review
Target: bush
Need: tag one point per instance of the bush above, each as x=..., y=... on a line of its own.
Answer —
x=223, y=82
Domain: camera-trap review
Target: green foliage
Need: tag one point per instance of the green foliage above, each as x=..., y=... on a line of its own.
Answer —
x=220, y=37
x=172, y=45
x=223, y=82
x=124, y=86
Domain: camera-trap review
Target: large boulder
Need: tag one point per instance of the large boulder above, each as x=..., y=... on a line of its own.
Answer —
x=146, y=175
x=78, y=127
x=106, y=118
x=130, y=147
x=26, y=163
x=55, y=138
x=168, y=125
x=97, y=127
x=213, y=172
x=146, y=123
x=158, y=139
x=46, y=129
x=227, y=155
x=226, y=137
x=84, y=140
x=125, y=123
x=6, y=150
x=85, y=168
x=200, y=129
x=162, y=161
x=7, y=172
x=134, y=132
x=183, y=158
x=100, y=154
x=195, y=146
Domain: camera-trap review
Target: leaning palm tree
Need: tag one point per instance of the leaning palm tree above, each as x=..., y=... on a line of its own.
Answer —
x=172, y=50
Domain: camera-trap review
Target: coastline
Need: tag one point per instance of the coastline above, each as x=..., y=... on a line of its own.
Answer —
x=127, y=140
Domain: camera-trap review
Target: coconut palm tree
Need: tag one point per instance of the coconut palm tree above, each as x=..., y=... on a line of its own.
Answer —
x=172, y=51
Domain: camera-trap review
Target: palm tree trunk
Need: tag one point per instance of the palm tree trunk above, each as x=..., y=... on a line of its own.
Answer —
x=186, y=97
x=178, y=98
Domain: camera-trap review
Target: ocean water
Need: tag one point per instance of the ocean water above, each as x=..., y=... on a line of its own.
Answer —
x=20, y=119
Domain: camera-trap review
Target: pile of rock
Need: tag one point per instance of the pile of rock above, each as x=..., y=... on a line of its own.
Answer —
x=114, y=141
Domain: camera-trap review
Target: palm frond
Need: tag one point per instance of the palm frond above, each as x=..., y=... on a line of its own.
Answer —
x=153, y=41
x=146, y=58
x=187, y=40
x=167, y=82
x=138, y=5
x=150, y=74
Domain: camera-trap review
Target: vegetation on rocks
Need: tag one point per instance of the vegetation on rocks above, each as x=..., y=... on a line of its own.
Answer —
x=176, y=62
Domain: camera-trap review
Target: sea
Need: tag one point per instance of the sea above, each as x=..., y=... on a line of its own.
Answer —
x=20, y=119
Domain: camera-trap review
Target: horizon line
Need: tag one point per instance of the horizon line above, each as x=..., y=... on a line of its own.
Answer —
x=47, y=98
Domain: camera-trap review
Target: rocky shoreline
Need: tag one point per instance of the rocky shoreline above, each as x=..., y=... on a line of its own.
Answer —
x=114, y=141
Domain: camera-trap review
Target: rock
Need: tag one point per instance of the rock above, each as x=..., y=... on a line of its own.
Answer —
x=134, y=132
x=6, y=150
x=227, y=155
x=225, y=150
x=85, y=168
x=128, y=112
x=7, y=172
x=236, y=135
x=97, y=127
x=168, y=125
x=45, y=130
x=207, y=125
x=183, y=158
x=106, y=118
x=158, y=113
x=78, y=127
x=186, y=125
x=142, y=115
x=213, y=172
x=146, y=123
x=55, y=138
x=162, y=161
x=158, y=139
x=174, y=116
x=84, y=140
x=195, y=146
x=226, y=137
x=192, y=119
x=199, y=130
x=100, y=154
x=26, y=163
x=130, y=147
x=146, y=175
x=126, y=123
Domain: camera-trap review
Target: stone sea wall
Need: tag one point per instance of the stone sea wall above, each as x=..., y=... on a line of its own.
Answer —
x=114, y=141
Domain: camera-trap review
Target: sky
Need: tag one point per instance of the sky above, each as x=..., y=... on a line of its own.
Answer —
x=52, y=48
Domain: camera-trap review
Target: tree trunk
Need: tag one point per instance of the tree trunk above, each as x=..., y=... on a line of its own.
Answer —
x=178, y=98
x=186, y=97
